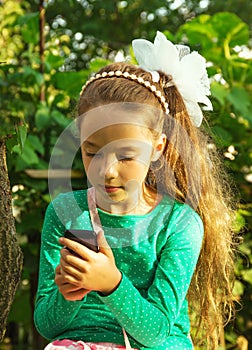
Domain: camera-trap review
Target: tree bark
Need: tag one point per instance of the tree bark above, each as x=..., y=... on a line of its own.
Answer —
x=42, y=46
x=11, y=257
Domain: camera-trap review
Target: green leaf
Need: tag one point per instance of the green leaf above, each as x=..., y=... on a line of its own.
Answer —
x=60, y=97
x=28, y=155
x=240, y=99
x=70, y=82
x=239, y=222
x=97, y=64
x=21, y=135
x=38, y=185
x=198, y=29
x=222, y=136
x=247, y=275
x=42, y=117
x=229, y=26
x=238, y=288
x=59, y=118
x=245, y=248
x=36, y=144
x=30, y=27
x=33, y=75
x=12, y=142
x=16, y=149
x=248, y=116
x=220, y=92
x=47, y=198
x=53, y=61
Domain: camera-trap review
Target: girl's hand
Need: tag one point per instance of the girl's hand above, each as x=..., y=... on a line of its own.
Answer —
x=69, y=291
x=90, y=270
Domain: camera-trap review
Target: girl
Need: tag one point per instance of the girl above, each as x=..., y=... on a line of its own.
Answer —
x=158, y=205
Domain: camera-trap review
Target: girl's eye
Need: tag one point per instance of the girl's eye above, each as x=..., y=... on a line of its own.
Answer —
x=125, y=158
x=92, y=155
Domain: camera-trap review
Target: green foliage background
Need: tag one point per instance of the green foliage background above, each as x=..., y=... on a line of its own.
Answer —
x=81, y=37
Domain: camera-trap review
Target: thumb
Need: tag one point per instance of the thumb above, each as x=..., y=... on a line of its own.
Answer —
x=58, y=269
x=103, y=244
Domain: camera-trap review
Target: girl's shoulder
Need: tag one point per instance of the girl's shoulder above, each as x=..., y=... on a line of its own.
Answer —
x=179, y=211
x=73, y=200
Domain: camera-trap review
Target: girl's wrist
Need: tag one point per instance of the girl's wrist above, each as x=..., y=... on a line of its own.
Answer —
x=108, y=291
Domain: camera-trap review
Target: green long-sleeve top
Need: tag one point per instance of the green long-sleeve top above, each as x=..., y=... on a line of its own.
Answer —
x=156, y=253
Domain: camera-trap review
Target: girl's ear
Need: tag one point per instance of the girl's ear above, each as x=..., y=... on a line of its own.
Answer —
x=159, y=147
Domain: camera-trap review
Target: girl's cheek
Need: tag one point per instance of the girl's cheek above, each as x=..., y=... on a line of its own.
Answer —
x=90, y=165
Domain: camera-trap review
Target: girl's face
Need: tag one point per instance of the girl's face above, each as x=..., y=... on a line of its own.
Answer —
x=116, y=159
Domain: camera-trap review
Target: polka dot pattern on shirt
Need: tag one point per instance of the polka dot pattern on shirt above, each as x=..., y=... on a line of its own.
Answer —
x=157, y=254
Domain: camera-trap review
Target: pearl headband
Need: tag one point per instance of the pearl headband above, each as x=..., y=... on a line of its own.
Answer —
x=132, y=77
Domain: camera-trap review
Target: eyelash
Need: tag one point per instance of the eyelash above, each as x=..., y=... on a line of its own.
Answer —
x=90, y=154
x=125, y=159
x=120, y=158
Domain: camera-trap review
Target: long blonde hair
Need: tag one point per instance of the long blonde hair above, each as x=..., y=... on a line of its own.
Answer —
x=199, y=180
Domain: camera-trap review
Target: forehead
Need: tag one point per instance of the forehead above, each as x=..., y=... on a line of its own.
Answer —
x=124, y=114
x=119, y=135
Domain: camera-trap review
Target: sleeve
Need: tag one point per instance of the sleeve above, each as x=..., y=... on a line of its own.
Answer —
x=53, y=313
x=150, y=320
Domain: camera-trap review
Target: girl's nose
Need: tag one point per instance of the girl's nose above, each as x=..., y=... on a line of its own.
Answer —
x=108, y=168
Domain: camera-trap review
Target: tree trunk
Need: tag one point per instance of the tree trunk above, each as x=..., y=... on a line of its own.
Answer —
x=11, y=257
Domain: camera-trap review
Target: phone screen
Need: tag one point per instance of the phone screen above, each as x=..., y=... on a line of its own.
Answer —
x=86, y=237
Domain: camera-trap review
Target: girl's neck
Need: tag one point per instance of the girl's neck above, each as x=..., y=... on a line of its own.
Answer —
x=142, y=205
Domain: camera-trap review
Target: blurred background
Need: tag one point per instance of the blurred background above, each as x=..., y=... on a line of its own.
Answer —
x=47, y=51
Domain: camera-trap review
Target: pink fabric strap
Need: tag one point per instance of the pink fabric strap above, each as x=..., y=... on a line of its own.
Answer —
x=95, y=219
x=97, y=226
x=126, y=340
x=67, y=344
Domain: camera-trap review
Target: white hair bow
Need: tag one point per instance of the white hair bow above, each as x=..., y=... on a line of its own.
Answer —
x=188, y=71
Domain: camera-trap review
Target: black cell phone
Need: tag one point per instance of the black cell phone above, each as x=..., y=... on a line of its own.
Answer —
x=87, y=238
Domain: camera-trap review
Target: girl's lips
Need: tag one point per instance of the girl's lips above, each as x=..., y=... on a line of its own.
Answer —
x=111, y=189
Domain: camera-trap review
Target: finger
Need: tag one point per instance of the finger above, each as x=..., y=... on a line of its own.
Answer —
x=69, y=288
x=68, y=274
x=78, y=248
x=58, y=270
x=66, y=253
x=77, y=295
x=59, y=280
x=72, y=292
x=67, y=269
x=103, y=245
x=68, y=259
x=66, y=278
